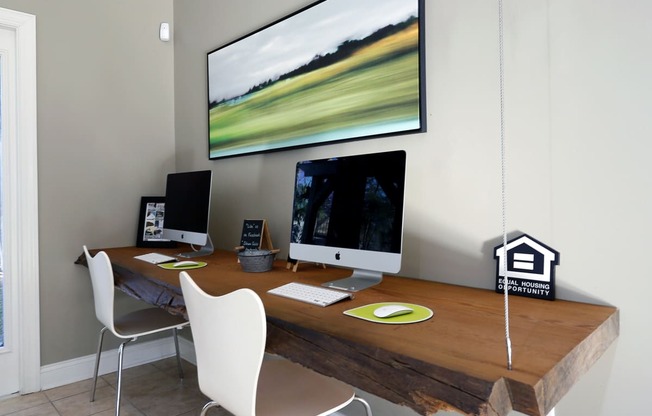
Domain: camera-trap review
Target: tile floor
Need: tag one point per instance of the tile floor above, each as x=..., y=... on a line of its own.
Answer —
x=148, y=390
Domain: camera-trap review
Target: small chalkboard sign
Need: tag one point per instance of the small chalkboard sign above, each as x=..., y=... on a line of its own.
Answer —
x=255, y=235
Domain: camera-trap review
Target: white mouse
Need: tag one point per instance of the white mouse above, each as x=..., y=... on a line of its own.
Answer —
x=389, y=311
x=186, y=263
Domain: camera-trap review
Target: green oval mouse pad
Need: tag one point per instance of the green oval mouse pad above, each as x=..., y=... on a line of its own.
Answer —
x=366, y=312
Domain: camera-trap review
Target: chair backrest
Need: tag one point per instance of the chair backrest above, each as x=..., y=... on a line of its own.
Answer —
x=229, y=334
x=103, y=286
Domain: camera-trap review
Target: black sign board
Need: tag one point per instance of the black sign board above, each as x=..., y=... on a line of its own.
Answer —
x=252, y=234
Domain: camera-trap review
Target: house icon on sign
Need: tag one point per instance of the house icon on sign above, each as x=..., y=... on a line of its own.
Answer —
x=528, y=267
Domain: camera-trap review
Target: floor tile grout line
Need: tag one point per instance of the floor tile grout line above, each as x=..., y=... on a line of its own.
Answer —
x=55, y=401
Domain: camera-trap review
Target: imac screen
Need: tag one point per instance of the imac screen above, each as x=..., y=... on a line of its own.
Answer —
x=348, y=211
x=187, y=208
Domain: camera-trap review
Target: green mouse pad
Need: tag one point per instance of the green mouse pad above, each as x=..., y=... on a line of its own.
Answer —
x=170, y=266
x=421, y=313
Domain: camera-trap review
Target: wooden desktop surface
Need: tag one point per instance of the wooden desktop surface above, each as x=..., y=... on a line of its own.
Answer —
x=455, y=361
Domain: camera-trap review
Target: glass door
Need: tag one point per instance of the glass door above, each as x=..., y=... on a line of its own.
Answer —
x=2, y=303
x=9, y=358
x=2, y=312
x=19, y=307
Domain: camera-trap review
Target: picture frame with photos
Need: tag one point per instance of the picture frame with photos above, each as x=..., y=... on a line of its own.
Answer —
x=150, y=223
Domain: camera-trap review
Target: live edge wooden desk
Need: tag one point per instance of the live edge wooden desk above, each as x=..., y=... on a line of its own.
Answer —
x=455, y=360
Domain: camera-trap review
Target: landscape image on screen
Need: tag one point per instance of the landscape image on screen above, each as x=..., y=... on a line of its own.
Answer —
x=337, y=70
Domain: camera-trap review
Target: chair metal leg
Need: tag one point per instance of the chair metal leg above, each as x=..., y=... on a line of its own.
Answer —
x=119, y=387
x=208, y=406
x=367, y=408
x=175, y=331
x=97, y=362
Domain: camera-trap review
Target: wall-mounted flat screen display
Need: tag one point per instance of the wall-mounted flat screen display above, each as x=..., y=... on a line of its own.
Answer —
x=336, y=70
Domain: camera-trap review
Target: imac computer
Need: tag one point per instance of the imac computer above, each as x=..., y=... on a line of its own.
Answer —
x=348, y=212
x=187, y=210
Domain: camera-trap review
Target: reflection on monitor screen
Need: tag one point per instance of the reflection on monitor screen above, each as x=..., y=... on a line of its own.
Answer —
x=187, y=210
x=348, y=211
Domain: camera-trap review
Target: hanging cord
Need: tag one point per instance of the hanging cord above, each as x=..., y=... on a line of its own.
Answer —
x=503, y=180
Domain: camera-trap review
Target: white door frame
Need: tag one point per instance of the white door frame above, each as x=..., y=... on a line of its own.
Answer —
x=21, y=254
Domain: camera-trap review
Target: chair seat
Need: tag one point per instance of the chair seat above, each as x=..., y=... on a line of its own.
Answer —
x=128, y=327
x=286, y=388
x=229, y=333
x=146, y=321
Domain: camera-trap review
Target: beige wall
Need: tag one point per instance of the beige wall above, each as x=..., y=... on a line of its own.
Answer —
x=578, y=99
x=105, y=138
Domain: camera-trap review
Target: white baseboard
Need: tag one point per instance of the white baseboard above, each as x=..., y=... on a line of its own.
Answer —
x=78, y=369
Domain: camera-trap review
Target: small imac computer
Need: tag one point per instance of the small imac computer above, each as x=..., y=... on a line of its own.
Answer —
x=187, y=210
x=348, y=212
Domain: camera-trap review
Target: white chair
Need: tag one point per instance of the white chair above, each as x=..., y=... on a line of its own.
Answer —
x=128, y=327
x=229, y=333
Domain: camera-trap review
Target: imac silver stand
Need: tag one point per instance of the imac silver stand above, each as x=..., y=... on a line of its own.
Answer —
x=205, y=250
x=359, y=280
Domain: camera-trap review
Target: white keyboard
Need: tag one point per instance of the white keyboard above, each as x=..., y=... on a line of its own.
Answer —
x=310, y=294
